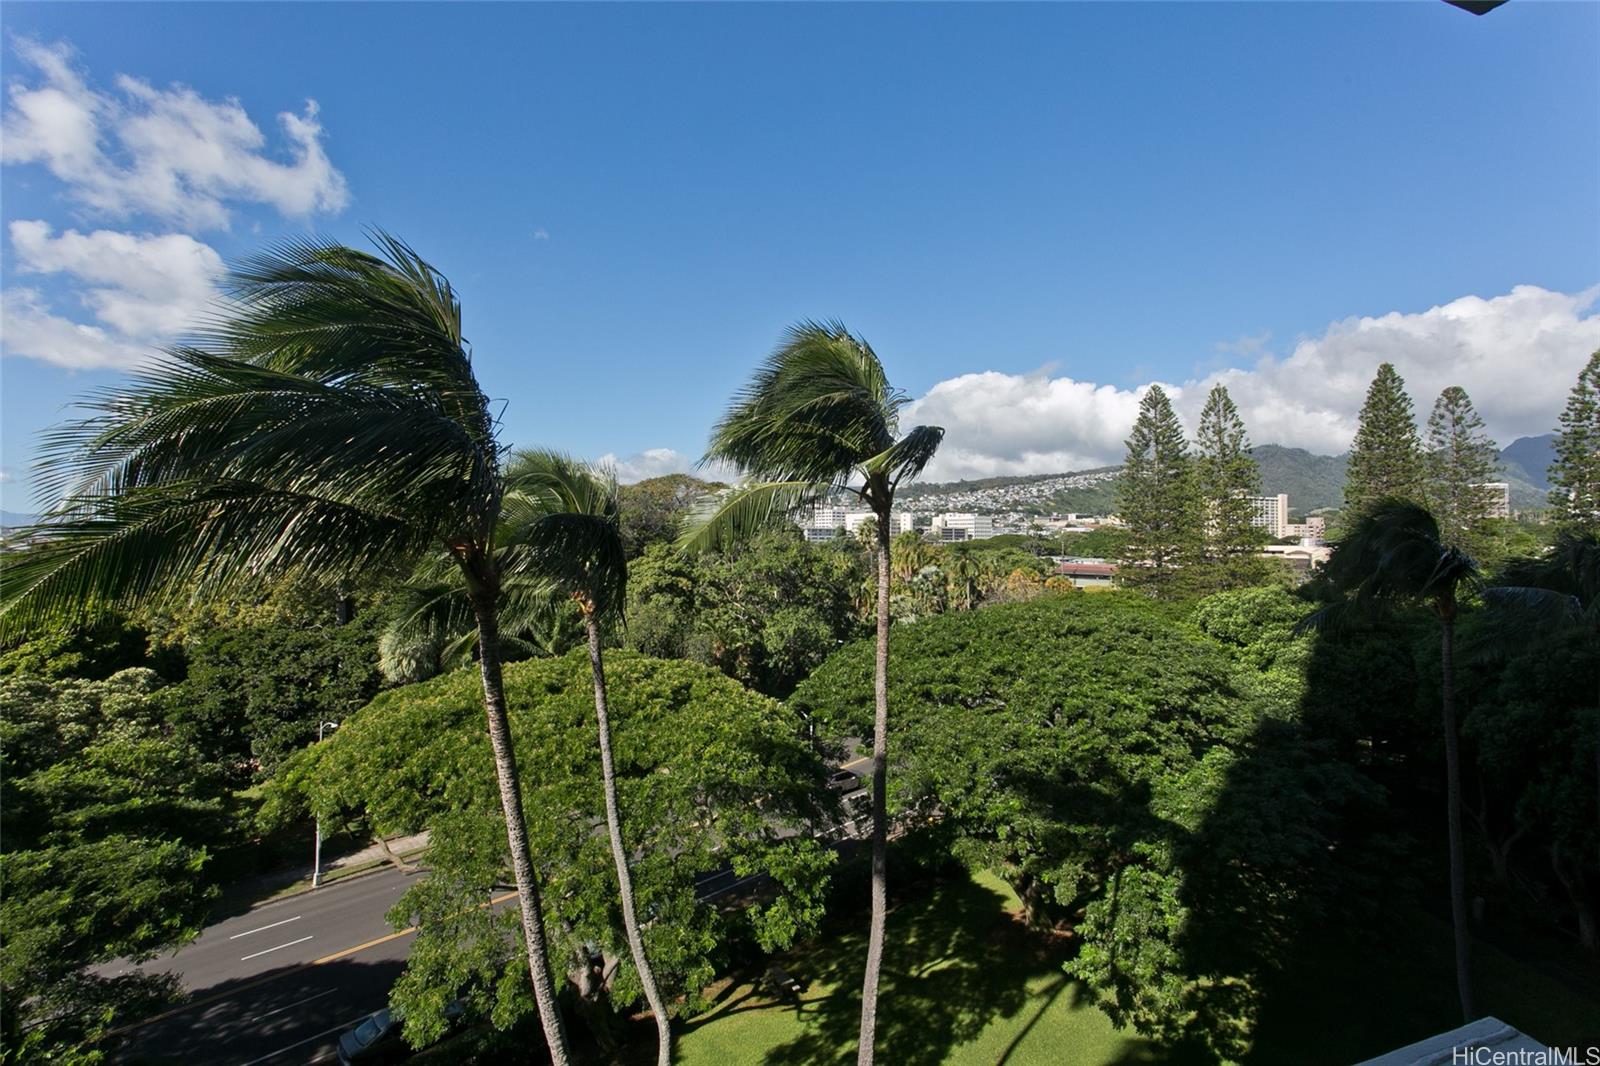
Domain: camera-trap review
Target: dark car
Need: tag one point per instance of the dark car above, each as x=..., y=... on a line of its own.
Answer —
x=845, y=780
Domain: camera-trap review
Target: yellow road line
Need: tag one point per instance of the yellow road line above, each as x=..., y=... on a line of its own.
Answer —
x=407, y=931
x=277, y=977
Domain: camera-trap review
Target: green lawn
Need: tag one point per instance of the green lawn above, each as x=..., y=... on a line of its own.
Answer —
x=963, y=982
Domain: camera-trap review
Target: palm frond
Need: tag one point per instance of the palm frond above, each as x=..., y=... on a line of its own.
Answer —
x=562, y=523
x=906, y=458
x=178, y=542
x=722, y=518
x=200, y=417
x=1394, y=553
x=326, y=421
x=1570, y=566
x=818, y=406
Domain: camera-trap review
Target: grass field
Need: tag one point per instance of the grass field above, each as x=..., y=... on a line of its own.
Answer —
x=965, y=984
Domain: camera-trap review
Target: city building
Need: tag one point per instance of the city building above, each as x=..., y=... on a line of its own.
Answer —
x=1498, y=495
x=1271, y=513
x=1310, y=532
x=824, y=523
x=1302, y=558
x=955, y=526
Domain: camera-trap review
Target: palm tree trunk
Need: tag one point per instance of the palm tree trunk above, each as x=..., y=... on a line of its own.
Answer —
x=1452, y=771
x=619, y=854
x=880, y=807
x=505, y=766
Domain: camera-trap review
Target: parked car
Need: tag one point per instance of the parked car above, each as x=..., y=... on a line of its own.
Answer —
x=377, y=1038
x=845, y=780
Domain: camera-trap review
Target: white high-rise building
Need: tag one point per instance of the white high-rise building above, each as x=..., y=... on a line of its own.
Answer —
x=1271, y=513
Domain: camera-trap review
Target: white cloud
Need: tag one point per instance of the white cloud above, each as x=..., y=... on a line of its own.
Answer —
x=652, y=462
x=28, y=327
x=142, y=290
x=168, y=153
x=658, y=462
x=1517, y=355
x=541, y=234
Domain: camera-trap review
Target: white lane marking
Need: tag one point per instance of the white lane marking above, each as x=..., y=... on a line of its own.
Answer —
x=307, y=1040
x=264, y=928
x=729, y=888
x=296, y=1003
x=280, y=947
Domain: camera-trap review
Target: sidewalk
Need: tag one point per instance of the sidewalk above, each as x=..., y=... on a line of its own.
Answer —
x=264, y=888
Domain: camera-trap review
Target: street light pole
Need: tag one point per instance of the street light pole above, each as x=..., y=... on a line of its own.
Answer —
x=316, y=847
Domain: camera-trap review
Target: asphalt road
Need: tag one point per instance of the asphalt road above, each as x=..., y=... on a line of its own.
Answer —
x=279, y=983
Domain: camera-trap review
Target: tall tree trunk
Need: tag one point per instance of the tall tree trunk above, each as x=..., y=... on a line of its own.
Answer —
x=619, y=854
x=505, y=766
x=880, y=806
x=1452, y=773
x=1572, y=882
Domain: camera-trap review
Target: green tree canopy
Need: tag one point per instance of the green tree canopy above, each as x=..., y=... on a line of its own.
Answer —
x=653, y=509
x=255, y=693
x=1125, y=774
x=709, y=775
x=766, y=611
x=105, y=820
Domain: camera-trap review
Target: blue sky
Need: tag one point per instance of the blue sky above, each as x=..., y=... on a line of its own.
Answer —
x=1030, y=211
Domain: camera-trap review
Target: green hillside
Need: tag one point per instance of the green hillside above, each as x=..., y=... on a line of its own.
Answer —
x=1312, y=481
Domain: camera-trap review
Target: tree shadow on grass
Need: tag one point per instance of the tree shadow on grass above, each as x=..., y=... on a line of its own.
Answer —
x=955, y=962
x=950, y=966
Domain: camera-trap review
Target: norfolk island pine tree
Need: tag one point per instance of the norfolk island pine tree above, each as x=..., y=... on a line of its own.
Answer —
x=327, y=423
x=820, y=417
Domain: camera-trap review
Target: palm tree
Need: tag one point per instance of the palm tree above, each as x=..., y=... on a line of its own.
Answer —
x=964, y=574
x=820, y=417
x=327, y=423
x=909, y=554
x=1394, y=556
x=567, y=521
